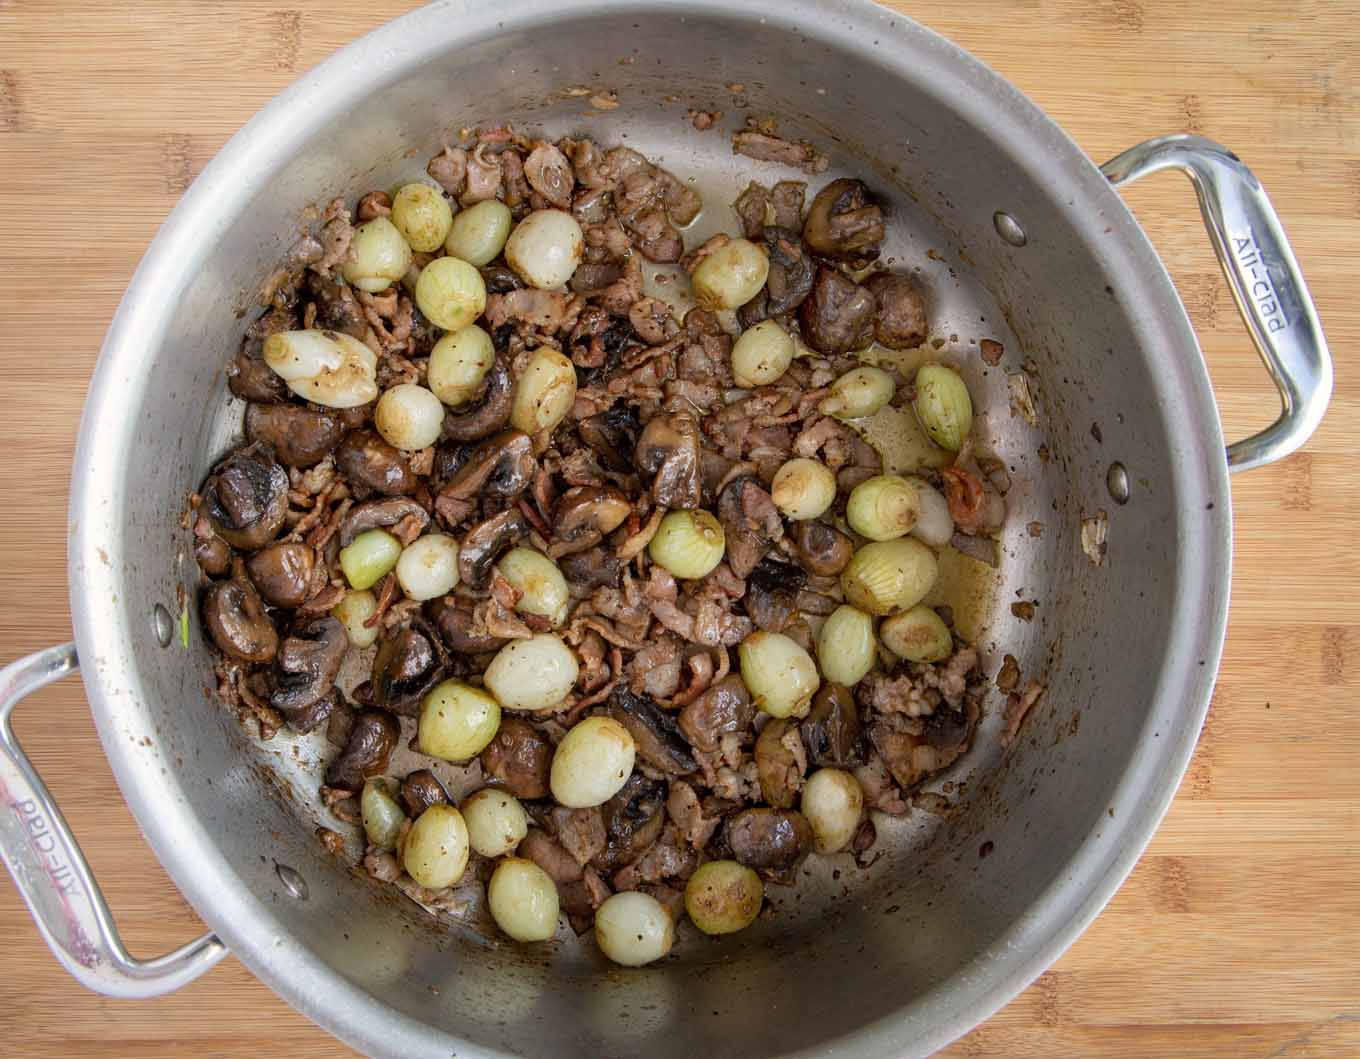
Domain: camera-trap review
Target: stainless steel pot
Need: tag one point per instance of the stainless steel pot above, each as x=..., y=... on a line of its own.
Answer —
x=1023, y=231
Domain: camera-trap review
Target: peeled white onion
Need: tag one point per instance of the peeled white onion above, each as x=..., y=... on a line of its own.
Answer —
x=496, y=822
x=378, y=256
x=935, y=525
x=436, y=850
x=422, y=215
x=545, y=248
x=428, y=567
x=523, y=900
x=542, y=588
x=592, y=763
x=459, y=362
x=833, y=803
x=532, y=674
x=545, y=392
x=451, y=293
x=409, y=416
x=633, y=929
x=730, y=276
x=779, y=674
x=478, y=234
x=328, y=368
x=761, y=354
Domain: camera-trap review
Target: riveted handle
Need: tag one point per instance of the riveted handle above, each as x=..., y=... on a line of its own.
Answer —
x=52, y=874
x=1264, y=278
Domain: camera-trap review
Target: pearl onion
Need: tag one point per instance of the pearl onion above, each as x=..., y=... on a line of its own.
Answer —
x=545, y=392
x=329, y=368
x=545, y=248
x=496, y=822
x=451, y=293
x=761, y=355
x=378, y=256
x=409, y=416
x=730, y=276
x=459, y=362
x=478, y=234
x=436, y=850
x=428, y=567
x=356, y=608
x=422, y=215
x=833, y=804
x=523, y=900
x=633, y=928
x=592, y=763
x=532, y=674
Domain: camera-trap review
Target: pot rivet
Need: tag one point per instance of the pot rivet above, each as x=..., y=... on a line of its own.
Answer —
x=162, y=624
x=1117, y=482
x=1009, y=229
x=294, y=883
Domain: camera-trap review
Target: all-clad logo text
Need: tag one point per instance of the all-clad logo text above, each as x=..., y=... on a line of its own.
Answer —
x=1251, y=262
x=44, y=843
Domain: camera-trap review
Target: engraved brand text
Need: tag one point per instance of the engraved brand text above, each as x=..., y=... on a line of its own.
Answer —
x=1251, y=262
x=44, y=843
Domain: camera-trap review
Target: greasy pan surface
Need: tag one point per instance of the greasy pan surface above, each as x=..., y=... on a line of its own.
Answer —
x=934, y=938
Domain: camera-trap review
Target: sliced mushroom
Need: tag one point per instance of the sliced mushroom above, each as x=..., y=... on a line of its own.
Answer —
x=503, y=465
x=368, y=461
x=844, y=223
x=518, y=759
x=500, y=279
x=246, y=499
x=298, y=436
x=592, y=568
x=489, y=414
x=773, y=842
x=236, y=619
x=750, y=522
x=900, y=314
x=658, y=738
x=633, y=820
x=612, y=434
x=483, y=545
x=307, y=664
x=251, y=379
x=822, y=550
x=456, y=624
x=838, y=316
x=410, y=661
x=831, y=731
x=772, y=594
x=589, y=509
x=723, y=709
x=371, y=741
x=789, y=281
x=668, y=454
x=282, y=571
x=311, y=717
x=420, y=790
x=374, y=513
x=780, y=762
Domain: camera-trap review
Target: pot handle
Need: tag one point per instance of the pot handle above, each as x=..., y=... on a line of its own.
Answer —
x=1264, y=278
x=51, y=873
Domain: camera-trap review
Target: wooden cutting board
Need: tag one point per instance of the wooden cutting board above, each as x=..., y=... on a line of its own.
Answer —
x=1237, y=934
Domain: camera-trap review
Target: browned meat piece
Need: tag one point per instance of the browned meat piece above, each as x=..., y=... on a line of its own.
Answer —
x=750, y=522
x=772, y=592
x=670, y=857
x=781, y=762
x=754, y=209
x=838, y=315
x=685, y=809
x=703, y=120
x=579, y=831
x=237, y=621
x=332, y=841
x=916, y=749
x=656, y=669
x=420, y=790
x=335, y=306
x=1018, y=705
x=658, y=739
x=668, y=454
x=550, y=855
x=975, y=507
x=381, y=865
x=373, y=465
x=831, y=731
x=449, y=169
x=580, y=898
x=613, y=435
x=335, y=236
x=992, y=351
x=372, y=205
x=371, y=741
x=900, y=315
x=409, y=662
x=844, y=223
x=771, y=841
x=724, y=709
x=518, y=760
x=766, y=148
x=533, y=310
x=652, y=320
x=549, y=173
x=483, y=176
x=633, y=820
x=786, y=198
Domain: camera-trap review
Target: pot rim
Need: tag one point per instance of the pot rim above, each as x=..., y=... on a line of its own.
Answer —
x=99, y=479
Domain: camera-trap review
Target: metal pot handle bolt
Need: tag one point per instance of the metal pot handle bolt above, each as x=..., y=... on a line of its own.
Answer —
x=51, y=873
x=1264, y=278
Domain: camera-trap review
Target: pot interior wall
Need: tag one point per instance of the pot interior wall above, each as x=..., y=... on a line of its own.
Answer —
x=845, y=947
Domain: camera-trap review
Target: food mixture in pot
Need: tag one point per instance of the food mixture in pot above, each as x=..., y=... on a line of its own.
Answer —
x=634, y=570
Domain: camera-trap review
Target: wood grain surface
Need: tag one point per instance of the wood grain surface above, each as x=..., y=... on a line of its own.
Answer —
x=1237, y=934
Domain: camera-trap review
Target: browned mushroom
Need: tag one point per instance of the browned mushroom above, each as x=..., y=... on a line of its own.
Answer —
x=371, y=741
x=368, y=461
x=786, y=198
x=211, y=552
x=655, y=733
x=489, y=414
x=307, y=664
x=500, y=279
x=246, y=499
x=822, y=550
x=310, y=717
x=771, y=841
x=518, y=759
x=772, y=594
x=780, y=762
x=612, y=435
x=299, y=436
x=502, y=465
x=831, y=731
x=336, y=307
x=236, y=619
x=633, y=819
x=789, y=281
x=592, y=568
x=374, y=513
x=900, y=317
x=282, y=571
x=844, y=223
x=420, y=790
x=838, y=316
x=251, y=379
x=668, y=454
x=410, y=661
x=457, y=625
x=484, y=542
x=723, y=709
x=589, y=510
x=750, y=522
x=914, y=750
